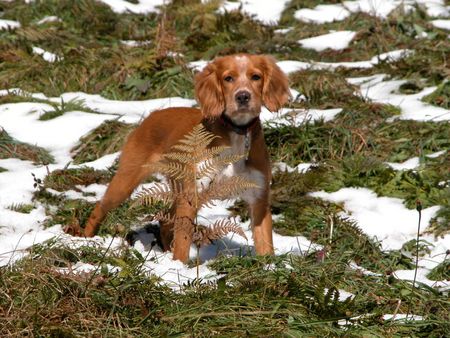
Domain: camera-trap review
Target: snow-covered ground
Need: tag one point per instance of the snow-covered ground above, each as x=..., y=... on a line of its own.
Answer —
x=334, y=40
x=381, y=217
x=378, y=8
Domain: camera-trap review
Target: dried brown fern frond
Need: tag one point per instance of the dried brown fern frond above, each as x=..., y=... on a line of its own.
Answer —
x=158, y=192
x=180, y=223
x=224, y=188
x=197, y=140
x=212, y=166
x=174, y=170
x=197, y=154
x=219, y=229
x=190, y=161
x=193, y=159
x=165, y=36
x=165, y=217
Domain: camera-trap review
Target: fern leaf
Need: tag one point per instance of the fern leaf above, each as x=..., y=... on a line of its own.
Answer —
x=162, y=216
x=175, y=170
x=182, y=157
x=219, y=229
x=213, y=166
x=158, y=192
x=210, y=153
x=225, y=188
x=198, y=138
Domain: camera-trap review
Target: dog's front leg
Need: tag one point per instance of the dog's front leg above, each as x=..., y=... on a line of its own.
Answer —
x=261, y=222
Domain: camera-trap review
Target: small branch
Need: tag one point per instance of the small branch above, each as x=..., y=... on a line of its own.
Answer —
x=419, y=210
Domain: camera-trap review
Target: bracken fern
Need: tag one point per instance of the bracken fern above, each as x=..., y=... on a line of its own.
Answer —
x=186, y=167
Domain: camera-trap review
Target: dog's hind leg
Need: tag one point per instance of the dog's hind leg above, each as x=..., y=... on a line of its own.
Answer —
x=133, y=169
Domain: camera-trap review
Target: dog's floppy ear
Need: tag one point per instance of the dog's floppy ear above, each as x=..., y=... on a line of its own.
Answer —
x=276, y=86
x=209, y=93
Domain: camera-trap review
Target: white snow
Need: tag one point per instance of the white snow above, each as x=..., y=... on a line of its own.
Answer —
x=49, y=19
x=142, y=7
x=410, y=164
x=379, y=8
x=402, y=317
x=9, y=24
x=134, y=43
x=298, y=117
x=267, y=12
x=47, y=56
x=413, y=163
x=300, y=168
x=57, y=135
x=421, y=278
x=381, y=91
x=443, y=24
x=435, y=8
x=437, y=154
x=290, y=66
x=283, y=30
x=385, y=218
x=343, y=295
x=334, y=40
x=129, y=111
x=322, y=14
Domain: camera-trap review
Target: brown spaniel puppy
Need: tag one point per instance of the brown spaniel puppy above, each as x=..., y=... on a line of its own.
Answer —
x=231, y=91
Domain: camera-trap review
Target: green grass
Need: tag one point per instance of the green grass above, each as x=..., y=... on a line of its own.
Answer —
x=106, y=139
x=12, y=148
x=21, y=207
x=282, y=296
x=68, y=179
x=297, y=296
x=441, y=96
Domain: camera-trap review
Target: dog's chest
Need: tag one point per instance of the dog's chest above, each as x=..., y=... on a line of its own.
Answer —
x=241, y=168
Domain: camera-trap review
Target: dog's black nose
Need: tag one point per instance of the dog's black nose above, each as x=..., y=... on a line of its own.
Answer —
x=242, y=97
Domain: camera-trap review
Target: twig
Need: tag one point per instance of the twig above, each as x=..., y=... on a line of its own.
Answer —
x=419, y=209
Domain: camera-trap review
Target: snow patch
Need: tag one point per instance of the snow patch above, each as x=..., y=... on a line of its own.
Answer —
x=142, y=7
x=334, y=40
x=442, y=24
x=47, y=56
x=268, y=12
x=9, y=24
x=384, y=218
x=322, y=14
x=387, y=92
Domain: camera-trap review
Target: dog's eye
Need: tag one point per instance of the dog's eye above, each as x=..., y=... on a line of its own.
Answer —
x=256, y=77
x=228, y=78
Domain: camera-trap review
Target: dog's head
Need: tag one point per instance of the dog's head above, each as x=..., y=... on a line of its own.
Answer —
x=239, y=85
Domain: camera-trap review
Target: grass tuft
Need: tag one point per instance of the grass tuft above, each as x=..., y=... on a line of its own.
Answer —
x=12, y=148
x=106, y=139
